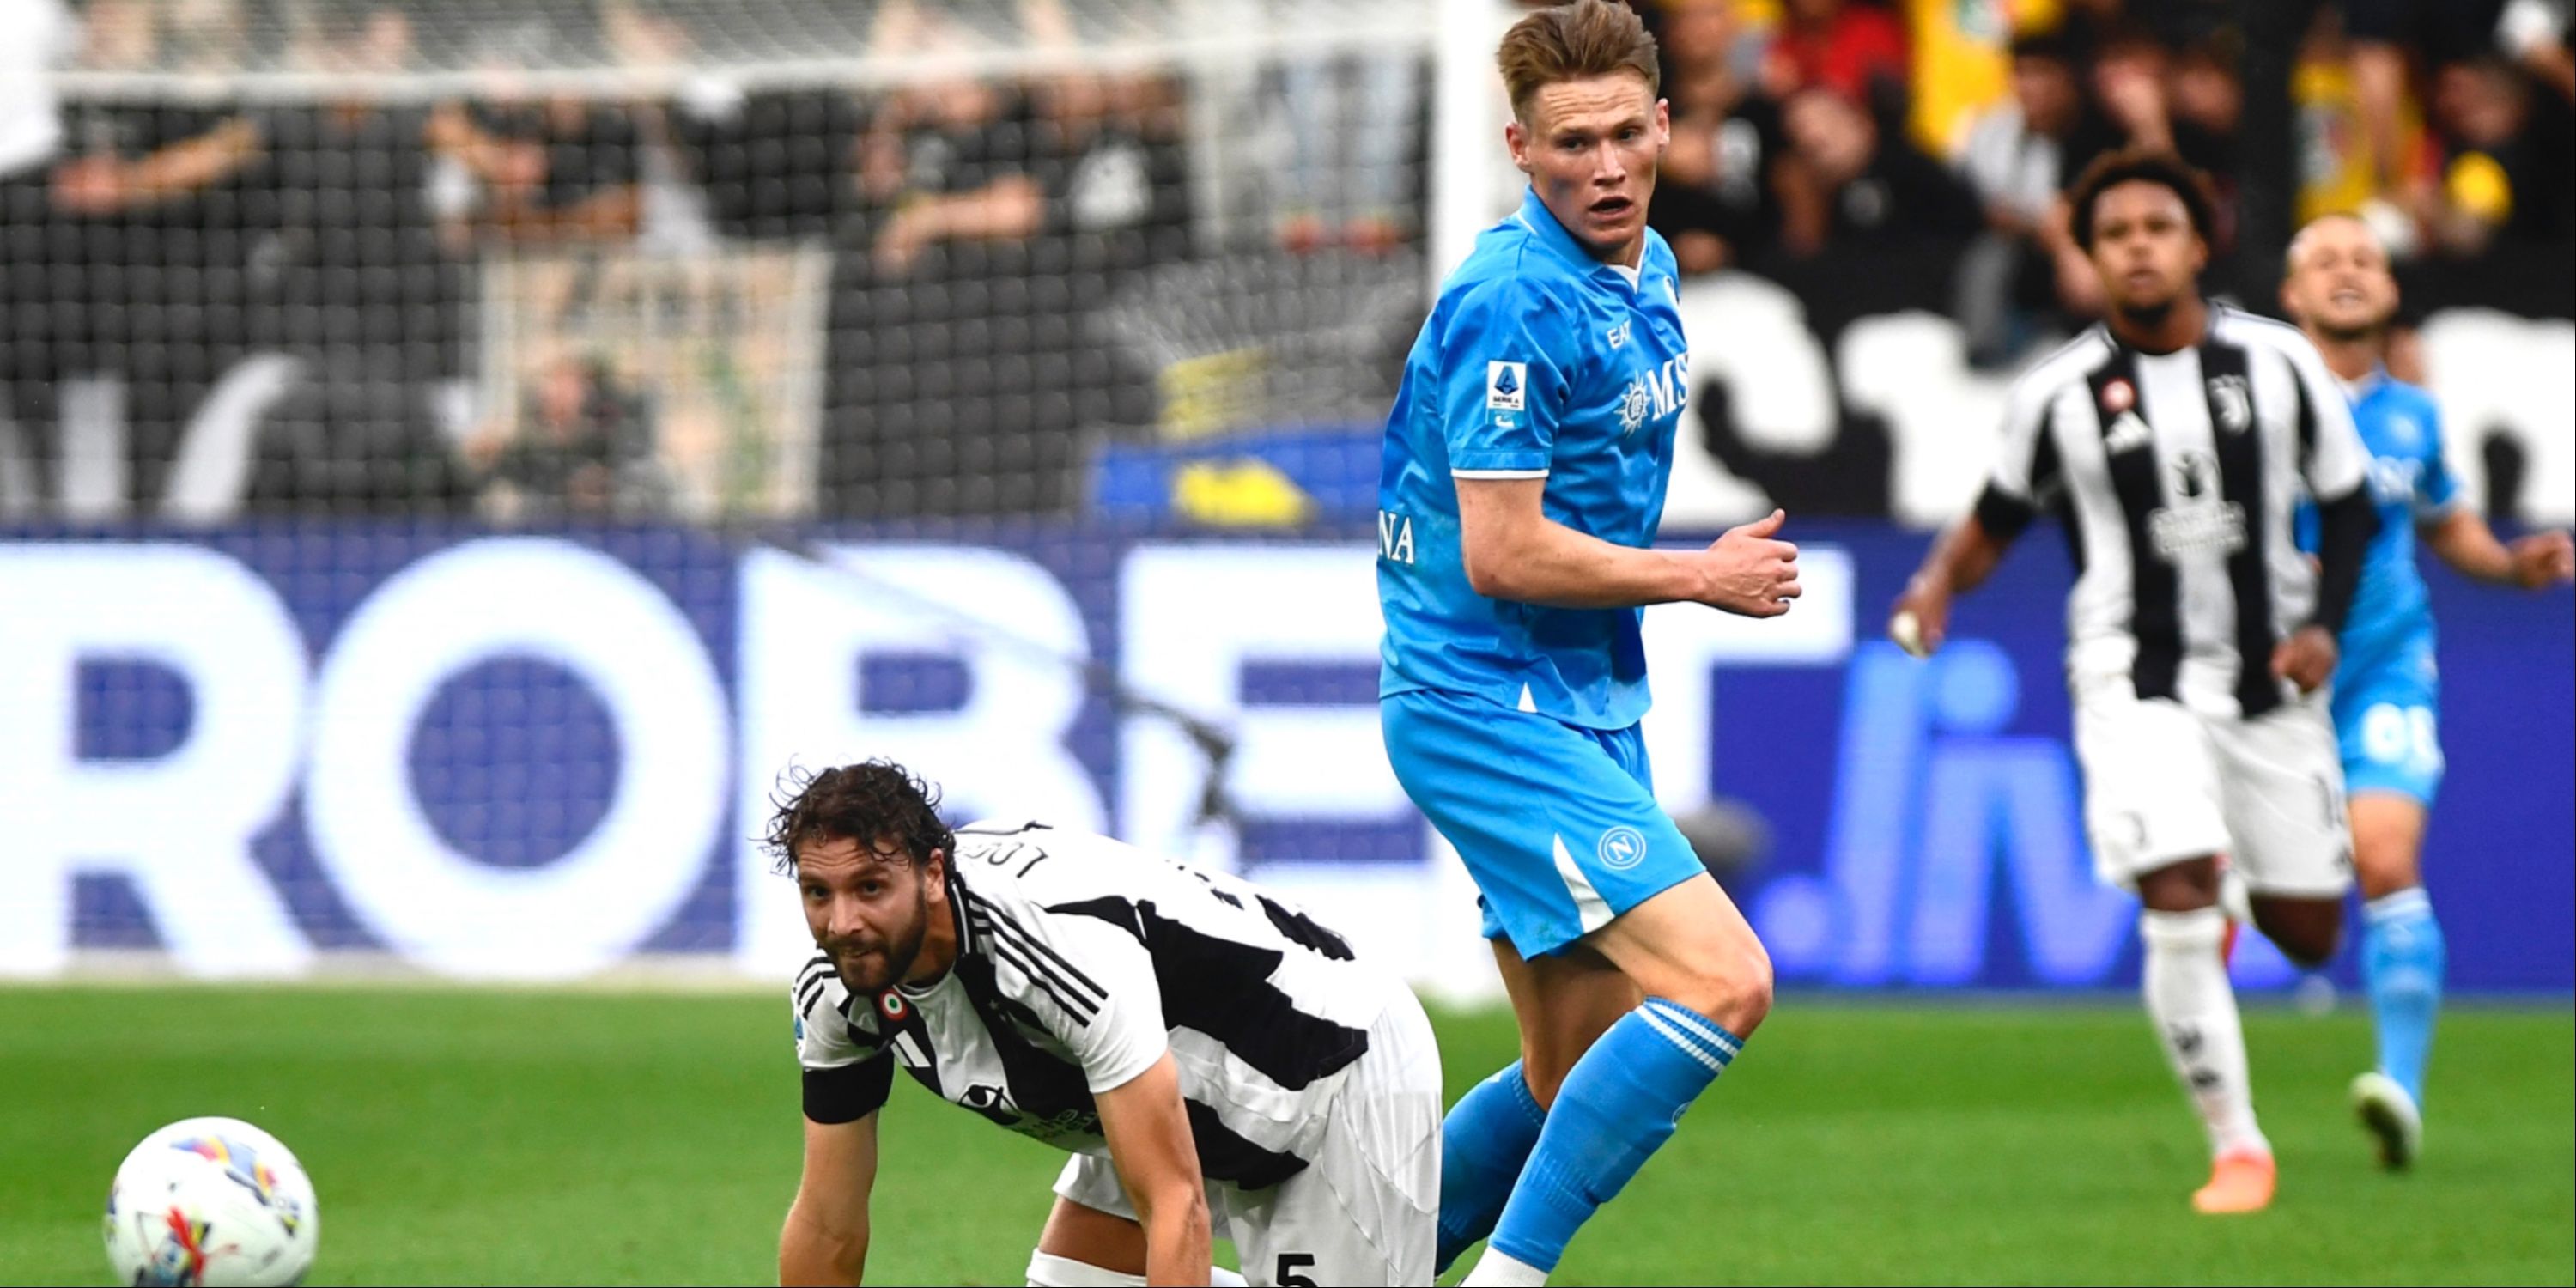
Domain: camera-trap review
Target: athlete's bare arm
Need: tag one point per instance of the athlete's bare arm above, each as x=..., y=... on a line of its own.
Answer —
x=1157, y=1159
x=826, y=1238
x=1959, y=562
x=2464, y=541
x=1513, y=551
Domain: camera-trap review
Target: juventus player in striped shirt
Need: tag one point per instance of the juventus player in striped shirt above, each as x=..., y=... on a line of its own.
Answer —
x=2173, y=442
x=1197, y=1045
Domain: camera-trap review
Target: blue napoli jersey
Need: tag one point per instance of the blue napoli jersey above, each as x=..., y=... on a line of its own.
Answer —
x=1538, y=361
x=2411, y=485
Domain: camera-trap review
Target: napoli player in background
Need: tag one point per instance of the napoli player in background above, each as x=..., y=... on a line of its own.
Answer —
x=1524, y=473
x=2340, y=291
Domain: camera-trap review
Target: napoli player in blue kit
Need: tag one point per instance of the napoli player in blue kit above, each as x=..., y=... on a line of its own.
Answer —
x=1524, y=473
x=2340, y=290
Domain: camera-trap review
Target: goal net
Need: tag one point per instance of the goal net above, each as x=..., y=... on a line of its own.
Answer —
x=462, y=451
x=700, y=259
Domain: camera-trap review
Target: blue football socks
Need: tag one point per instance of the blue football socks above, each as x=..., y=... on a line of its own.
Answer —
x=1620, y=1103
x=2402, y=957
x=1483, y=1144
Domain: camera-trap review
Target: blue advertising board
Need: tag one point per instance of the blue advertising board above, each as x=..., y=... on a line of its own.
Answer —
x=540, y=755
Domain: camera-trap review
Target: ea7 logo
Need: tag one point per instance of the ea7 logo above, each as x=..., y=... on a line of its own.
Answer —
x=1506, y=385
x=2232, y=402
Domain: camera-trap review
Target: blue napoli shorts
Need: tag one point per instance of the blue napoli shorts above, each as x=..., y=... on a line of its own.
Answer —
x=1557, y=823
x=2386, y=723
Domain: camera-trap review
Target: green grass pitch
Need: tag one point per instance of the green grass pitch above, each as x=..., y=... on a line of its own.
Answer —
x=533, y=1137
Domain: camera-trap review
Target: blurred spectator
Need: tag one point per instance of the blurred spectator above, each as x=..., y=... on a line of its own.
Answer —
x=1108, y=157
x=2535, y=33
x=148, y=258
x=774, y=163
x=581, y=449
x=351, y=280
x=722, y=156
x=2023, y=152
x=2337, y=173
x=1713, y=197
x=948, y=165
x=2094, y=25
x=563, y=168
x=1858, y=183
x=1851, y=47
x=937, y=403
x=2389, y=35
x=1963, y=62
x=2129, y=85
x=2509, y=174
x=2205, y=103
x=31, y=131
x=767, y=162
x=1351, y=122
x=2020, y=155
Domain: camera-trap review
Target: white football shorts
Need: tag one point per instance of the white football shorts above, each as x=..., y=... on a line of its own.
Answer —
x=1366, y=1208
x=2163, y=783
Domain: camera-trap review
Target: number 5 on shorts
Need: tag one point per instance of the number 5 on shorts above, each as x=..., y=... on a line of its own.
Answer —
x=1289, y=1264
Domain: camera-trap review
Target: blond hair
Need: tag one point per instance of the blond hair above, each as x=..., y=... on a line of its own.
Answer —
x=1575, y=42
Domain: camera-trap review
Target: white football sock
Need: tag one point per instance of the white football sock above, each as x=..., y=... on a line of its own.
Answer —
x=1497, y=1270
x=1220, y=1277
x=2194, y=1011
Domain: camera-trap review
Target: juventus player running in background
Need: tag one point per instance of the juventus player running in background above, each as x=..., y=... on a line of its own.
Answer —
x=2386, y=691
x=1197, y=1045
x=1524, y=474
x=2172, y=442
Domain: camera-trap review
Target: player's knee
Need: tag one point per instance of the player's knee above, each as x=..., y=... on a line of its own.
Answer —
x=2310, y=949
x=2186, y=886
x=2383, y=865
x=1732, y=986
x=2306, y=931
x=2378, y=881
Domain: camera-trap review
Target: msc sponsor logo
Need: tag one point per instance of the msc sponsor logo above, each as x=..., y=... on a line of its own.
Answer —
x=1655, y=393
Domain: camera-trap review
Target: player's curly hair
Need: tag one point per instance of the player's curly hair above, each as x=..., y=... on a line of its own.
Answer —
x=876, y=802
x=2141, y=165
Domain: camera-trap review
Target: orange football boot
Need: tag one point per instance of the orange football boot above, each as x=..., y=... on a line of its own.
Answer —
x=2240, y=1181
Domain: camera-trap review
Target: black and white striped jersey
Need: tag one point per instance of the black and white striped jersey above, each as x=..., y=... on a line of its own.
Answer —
x=1081, y=960
x=2176, y=476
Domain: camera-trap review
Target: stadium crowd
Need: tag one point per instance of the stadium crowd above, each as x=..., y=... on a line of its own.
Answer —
x=1869, y=156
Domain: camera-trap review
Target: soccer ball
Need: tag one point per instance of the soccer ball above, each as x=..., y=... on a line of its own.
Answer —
x=210, y=1201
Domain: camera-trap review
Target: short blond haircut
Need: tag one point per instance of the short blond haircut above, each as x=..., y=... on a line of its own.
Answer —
x=1575, y=41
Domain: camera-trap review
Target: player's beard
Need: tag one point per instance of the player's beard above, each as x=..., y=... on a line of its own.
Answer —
x=884, y=961
x=2368, y=333
x=2147, y=316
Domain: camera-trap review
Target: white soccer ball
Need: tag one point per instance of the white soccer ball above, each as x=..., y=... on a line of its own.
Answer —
x=211, y=1201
